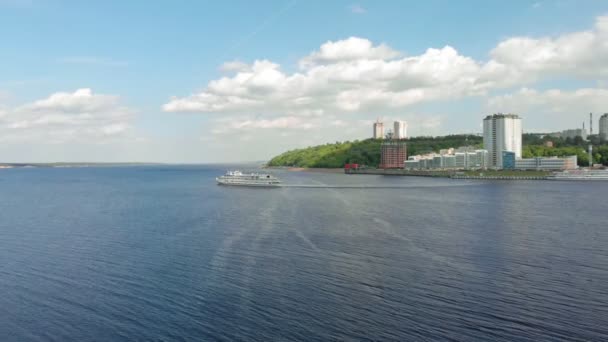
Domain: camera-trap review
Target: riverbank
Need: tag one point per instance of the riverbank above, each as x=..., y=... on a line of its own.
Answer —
x=479, y=174
x=398, y=172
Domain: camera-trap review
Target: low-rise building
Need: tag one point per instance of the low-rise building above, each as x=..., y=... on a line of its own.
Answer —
x=546, y=163
x=573, y=133
x=477, y=159
x=449, y=162
x=508, y=160
x=412, y=164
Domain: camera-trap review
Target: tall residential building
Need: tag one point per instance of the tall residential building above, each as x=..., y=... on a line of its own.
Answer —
x=501, y=132
x=604, y=126
x=393, y=155
x=400, y=131
x=378, y=130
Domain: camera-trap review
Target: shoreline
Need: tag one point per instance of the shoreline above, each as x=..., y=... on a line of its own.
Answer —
x=452, y=174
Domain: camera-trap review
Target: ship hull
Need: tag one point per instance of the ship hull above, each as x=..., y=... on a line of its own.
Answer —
x=237, y=178
x=258, y=185
x=250, y=185
x=585, y=176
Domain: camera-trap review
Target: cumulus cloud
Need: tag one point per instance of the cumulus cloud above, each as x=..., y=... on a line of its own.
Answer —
x=557, y=101
x=82, y=100
x=78, y=116
x=580, y=54
x=356, y=75
x=357, y=79
x=552, y=109
x=351, y=49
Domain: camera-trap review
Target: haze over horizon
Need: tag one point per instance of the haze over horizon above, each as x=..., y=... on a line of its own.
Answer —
x=211, y=82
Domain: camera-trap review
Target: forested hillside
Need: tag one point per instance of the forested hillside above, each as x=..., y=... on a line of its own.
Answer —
x=366, y=152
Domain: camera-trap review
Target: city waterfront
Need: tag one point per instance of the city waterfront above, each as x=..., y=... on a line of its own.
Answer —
x=163, y=253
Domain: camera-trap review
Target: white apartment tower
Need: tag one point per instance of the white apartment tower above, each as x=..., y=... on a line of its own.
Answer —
x=400, y=131
x=604, y=126
x=501, y=132
x=378, y=130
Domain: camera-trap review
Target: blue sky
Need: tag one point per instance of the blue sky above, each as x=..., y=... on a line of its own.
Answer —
x=149, y=65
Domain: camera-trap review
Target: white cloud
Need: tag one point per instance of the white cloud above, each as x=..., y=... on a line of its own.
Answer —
x=364, y=78
x=82, y=100
x=350, y=49
x=80, y=116
x=579, y=54
x=357, y=9
x=354, y=75
x=555, y=101
x=555, y=109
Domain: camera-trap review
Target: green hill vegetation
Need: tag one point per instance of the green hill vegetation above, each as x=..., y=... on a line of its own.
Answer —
x=367, y=152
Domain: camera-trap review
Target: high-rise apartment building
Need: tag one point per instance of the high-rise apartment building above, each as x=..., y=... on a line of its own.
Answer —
x=378, y=130
x=604, y=126
x=400, y=130
x=393, y=155
x=501, y=132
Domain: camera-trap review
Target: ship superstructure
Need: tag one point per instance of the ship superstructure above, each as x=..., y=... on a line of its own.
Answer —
x=584, y=175
x=248, y=179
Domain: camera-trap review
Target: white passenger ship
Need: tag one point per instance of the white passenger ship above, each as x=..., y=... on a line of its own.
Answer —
x=585, y=175
x=248, y=179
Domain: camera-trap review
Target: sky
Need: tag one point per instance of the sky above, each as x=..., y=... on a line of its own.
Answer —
x=210, y=81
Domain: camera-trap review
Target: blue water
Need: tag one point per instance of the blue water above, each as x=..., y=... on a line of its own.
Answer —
x=163, y=254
